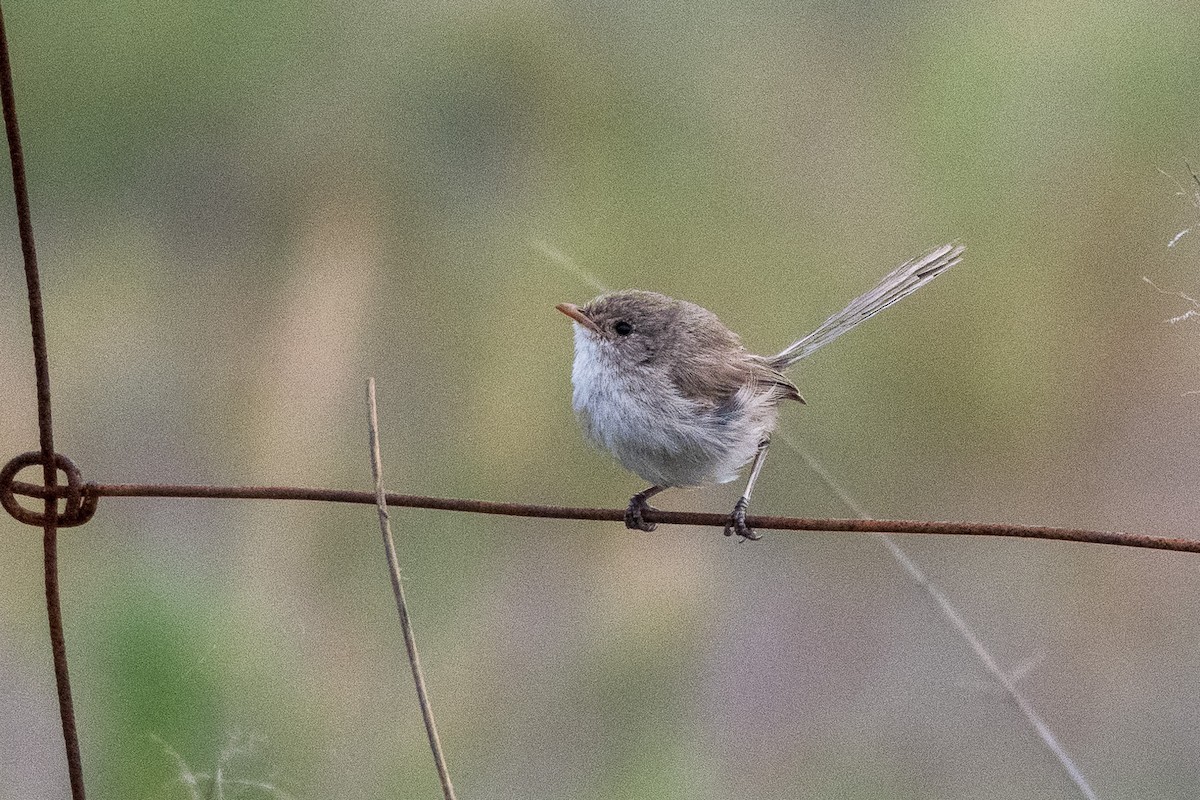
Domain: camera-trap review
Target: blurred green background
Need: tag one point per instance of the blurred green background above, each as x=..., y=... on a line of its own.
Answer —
x=246, y=209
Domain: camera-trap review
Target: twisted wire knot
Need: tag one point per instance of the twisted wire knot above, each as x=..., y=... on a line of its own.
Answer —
x=81, y=498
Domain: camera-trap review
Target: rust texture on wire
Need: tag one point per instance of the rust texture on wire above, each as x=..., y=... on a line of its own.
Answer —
x=47, y=457
x=93, y=491
x=81, y=501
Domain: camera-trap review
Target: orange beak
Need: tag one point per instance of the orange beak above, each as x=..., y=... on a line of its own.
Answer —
x=572, y=311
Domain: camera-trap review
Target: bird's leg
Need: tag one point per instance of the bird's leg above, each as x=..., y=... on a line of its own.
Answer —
x=637, y=505
x=737, y=520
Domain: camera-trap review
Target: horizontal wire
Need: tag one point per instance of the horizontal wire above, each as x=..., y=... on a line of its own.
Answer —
x=618, y=515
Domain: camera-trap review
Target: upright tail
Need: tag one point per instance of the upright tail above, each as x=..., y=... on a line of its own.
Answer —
x=899, y=283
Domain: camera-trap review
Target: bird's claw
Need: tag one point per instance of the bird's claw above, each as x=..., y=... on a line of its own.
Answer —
x=633, y=515
x=737, y=523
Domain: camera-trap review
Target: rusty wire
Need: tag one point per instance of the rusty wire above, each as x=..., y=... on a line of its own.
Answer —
x=47, y=456
x=91, y=492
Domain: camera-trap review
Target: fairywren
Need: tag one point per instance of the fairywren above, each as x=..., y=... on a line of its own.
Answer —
x=670, y=392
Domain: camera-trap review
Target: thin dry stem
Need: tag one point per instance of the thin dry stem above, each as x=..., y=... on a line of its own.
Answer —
x=410, y=644
x=1007, y=681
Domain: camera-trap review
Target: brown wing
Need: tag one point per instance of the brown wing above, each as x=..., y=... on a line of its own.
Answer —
x=707, y=363
x=713, y=378
x=768, y=375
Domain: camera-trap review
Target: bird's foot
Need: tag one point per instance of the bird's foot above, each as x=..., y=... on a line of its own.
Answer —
x=737, y=523
x=633, y=514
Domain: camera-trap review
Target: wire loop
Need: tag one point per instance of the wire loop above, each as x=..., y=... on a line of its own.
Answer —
x=81, y=498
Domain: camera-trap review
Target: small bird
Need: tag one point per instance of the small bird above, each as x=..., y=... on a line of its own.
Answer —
x=672, y=394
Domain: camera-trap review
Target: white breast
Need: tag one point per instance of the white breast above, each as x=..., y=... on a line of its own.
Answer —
x=640, y=417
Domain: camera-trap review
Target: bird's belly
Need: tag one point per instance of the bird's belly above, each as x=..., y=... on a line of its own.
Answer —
x=668, y=440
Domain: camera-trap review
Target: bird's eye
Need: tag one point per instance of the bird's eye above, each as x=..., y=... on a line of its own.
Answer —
x=623, y=328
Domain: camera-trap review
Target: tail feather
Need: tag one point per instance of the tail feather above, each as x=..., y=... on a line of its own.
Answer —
x=901, y=282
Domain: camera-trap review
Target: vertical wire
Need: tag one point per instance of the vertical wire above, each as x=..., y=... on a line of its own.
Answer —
x=41, y=362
